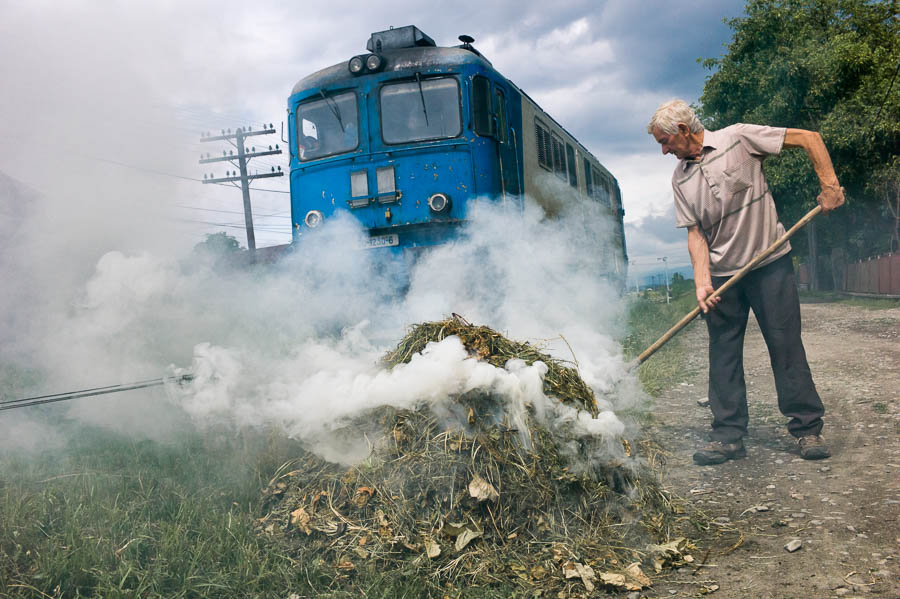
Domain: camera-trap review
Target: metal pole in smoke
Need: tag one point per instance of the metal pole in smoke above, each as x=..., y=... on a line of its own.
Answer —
x=665, y=260
x=243, y=157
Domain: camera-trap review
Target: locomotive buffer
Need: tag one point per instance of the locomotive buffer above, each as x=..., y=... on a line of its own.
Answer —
x=243, y=157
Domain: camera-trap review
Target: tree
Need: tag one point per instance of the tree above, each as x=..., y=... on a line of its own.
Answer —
x=218, y=244
x=828, y=66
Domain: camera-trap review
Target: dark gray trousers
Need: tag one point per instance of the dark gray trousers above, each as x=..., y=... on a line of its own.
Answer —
x=772, y=294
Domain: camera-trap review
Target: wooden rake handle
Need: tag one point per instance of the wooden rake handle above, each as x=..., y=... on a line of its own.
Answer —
x=728, y=284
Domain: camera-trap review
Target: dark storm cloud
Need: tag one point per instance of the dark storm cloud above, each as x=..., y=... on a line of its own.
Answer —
x=661, y=42
x=624, y=59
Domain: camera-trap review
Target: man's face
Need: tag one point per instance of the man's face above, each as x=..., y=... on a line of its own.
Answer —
x=675, y=143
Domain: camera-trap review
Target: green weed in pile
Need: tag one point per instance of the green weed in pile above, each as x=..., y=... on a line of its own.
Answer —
x=463, y=503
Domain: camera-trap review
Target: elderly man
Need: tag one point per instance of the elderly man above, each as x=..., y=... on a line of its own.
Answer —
x=722, y=198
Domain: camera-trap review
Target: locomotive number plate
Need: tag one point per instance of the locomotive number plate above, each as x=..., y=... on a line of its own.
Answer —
x=381, y=241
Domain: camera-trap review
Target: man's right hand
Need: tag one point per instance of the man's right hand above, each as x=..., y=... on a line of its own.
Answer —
x=705, y=302
x=831, y=197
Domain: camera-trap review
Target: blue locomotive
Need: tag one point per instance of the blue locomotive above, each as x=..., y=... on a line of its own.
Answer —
x=408, y=135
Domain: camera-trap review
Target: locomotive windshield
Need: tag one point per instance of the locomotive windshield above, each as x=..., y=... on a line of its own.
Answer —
x=419, y=110
x=327, y=126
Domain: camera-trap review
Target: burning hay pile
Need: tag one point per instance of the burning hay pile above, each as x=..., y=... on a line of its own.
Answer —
x=461, y=496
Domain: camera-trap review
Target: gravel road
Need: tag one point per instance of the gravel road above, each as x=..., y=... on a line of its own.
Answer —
x=845, y=511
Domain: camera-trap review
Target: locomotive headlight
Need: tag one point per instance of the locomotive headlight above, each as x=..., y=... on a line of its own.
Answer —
x=374, y=62
x=439, y=202
x=313, y=219
x=355, y=65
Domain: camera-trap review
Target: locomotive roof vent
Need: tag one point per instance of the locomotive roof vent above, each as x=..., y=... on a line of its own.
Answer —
x=396, y=38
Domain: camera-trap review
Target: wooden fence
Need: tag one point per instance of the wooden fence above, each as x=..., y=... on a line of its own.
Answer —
x=877, y=276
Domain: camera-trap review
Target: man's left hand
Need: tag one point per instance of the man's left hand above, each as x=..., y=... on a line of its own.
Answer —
x=831, y=197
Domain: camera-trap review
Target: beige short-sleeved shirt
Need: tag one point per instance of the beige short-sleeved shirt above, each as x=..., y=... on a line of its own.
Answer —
x=725, y=192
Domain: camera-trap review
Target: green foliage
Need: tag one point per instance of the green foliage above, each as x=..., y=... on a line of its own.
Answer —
x=218, y=244
x=826, y=66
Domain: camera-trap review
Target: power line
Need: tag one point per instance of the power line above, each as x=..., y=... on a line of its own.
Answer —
x=273, y=215
x=267, y=228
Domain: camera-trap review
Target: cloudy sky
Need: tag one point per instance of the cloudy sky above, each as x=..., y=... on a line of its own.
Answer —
x=103, y=102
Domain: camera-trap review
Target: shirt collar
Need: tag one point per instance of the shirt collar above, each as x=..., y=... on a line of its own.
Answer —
x=711, y=141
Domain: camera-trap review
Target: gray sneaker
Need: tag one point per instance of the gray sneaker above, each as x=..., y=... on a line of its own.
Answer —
x=813, y=447
x=718, y=452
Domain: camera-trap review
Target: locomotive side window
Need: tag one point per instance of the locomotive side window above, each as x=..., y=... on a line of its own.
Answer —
x=601, y=188
x=500, y=112
x=570, y=158
x=420, y=110
x=327, y=126
x=587, y=178
x=544, y=151
x=559, y=157
x=481, y=106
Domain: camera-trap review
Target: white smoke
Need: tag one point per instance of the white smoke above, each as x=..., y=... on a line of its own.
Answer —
x=297, y=346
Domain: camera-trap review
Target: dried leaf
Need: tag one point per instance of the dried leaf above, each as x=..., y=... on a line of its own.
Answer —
x=637, y=576
x=400, y=437
x=316, y=498
x=384, y=527
x=300, y=519
x=465, y=537
x=612, y=579
x=585, y=573
x=432, y=548
x=345, y=565
x=362, y=496
x=382, y=519
x=482, y=490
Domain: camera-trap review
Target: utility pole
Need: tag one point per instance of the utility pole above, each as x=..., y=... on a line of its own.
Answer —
x=243, y=157
x=665, y=260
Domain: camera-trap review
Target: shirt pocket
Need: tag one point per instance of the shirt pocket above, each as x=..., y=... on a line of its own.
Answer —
x=736, y=179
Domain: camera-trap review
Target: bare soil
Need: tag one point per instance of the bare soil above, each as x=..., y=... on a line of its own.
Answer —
x=845, y=510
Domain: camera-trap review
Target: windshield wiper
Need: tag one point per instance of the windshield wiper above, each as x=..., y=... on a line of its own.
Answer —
x=335, y=109
x=422, y=96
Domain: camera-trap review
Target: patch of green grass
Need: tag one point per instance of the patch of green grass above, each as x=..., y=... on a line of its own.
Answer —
x=111, y=517
x=869, y=303
x=649, y=318
x=879, y=408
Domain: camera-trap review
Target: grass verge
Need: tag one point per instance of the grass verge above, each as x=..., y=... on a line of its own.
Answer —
x=649, y=317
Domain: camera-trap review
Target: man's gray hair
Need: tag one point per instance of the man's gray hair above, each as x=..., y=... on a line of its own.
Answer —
x=670, y=113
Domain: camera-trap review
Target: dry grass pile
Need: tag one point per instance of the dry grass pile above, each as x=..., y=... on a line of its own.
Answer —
x=467, y=504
